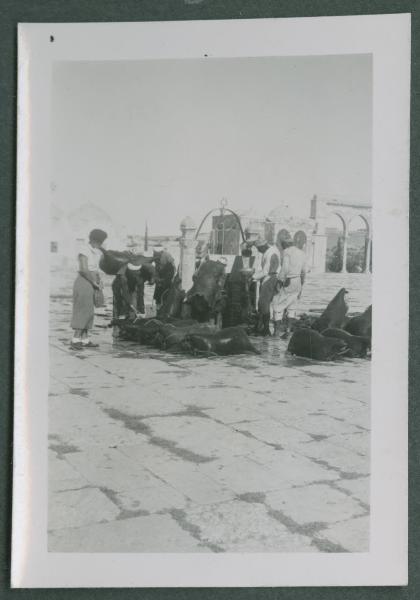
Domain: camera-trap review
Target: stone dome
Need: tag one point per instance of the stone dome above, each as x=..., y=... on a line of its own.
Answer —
x=247, y=213
x=188, y=223
x=280, y=213
x=89, y=216
x=89, y=213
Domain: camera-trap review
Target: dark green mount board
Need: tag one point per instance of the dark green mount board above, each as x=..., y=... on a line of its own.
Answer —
x=42, y=11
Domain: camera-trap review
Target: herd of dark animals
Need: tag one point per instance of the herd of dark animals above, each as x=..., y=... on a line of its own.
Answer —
x=333, y=334
x=215, y=316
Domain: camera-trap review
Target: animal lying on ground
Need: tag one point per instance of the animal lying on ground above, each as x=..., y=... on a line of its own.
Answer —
x=358, y=346
x=142, y=331
x=171, y=338
x=186, y=335
x=165, y=335
x=311, y=344
x=362, y=324
x=232, y=340
x=304, y=321
x=335, y=313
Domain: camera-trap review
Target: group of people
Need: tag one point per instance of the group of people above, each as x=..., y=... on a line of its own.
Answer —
x=280, y=276
x=128, y=286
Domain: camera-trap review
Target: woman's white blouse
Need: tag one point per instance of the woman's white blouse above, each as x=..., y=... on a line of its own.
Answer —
x=93, y=256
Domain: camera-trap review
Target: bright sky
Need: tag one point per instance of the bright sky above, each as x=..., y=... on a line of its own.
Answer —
x=159, y=140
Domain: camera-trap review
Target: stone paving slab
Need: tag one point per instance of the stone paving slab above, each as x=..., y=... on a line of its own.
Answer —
x=65, y=485
x=56, y=387
x=222, y=396
x=61, y=475
x=204, y=437
x=352, y=535
x=189, y=479
x=152, y=499
x=274, y=432
x=132, y=400
x=244, y=475
x=108, y=468
x=141, y=534
x=327, y=505
x=240, y=525
x=233, y=414
x=92, y=429
x=336, y=457
x=146, y=453
x=74, y=508
x=321, y=425
x=356, y=440
x=358, y=488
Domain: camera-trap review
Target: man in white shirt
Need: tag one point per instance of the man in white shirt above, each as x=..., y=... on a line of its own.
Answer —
x=267, y=275
x=291, y=277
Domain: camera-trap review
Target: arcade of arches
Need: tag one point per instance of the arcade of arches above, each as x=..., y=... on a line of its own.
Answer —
x=337, y=237
x=348, y=245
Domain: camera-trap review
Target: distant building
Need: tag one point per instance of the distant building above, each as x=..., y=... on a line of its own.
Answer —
x=311, y=234
x=69, y=230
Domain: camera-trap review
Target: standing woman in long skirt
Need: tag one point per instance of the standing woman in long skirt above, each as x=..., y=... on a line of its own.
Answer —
x=87, y=285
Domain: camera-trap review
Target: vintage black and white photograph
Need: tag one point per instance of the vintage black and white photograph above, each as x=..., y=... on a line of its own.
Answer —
x=210, y=315
x=211, y=252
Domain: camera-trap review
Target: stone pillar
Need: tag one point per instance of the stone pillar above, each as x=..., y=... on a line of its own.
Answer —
x=319, y=242
x=344, y=267
x=188, y=245
x=367, y=255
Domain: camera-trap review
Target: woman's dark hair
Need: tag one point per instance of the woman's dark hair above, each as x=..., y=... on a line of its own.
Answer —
x=98, y=236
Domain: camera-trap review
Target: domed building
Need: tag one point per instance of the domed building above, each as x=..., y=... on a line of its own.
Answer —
x=88, y=216
x=279, y=224
x=282, y=224
x=62, y=239
x=70, y=230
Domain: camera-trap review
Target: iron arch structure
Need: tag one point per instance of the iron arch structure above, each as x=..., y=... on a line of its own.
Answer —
x=220, y=230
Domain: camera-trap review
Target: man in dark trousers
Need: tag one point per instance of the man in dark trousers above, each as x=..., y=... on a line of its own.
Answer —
x=165, y=272
x=267, y=275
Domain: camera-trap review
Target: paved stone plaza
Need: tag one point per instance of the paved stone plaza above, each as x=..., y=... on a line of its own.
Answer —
x=157, y=452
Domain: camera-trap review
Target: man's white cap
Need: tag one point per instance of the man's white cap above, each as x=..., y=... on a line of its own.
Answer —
x=136, y=265
x=158, y=248
x=132, y=267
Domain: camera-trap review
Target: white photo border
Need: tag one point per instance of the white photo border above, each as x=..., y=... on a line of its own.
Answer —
x=387, y=39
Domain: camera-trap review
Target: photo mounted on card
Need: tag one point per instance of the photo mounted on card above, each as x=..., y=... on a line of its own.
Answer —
x=212, y=303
